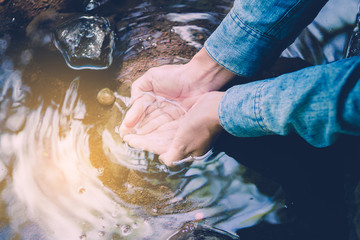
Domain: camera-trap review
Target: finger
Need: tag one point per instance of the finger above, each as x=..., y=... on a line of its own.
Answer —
x=157, y=141
x=158, y=114
x=183, y=144
x=163, y=107
x=156, y=118
x=151, y=124
x=173, y=154
x=151, y=114
x=173, y=109
x=194, y=157
x=146, y=142
x=142, y=84
x=135, y=113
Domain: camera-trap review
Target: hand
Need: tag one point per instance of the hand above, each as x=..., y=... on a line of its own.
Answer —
x=182, y=83
x=190, y=134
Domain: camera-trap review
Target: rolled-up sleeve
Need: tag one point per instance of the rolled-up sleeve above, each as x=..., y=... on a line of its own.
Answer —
x=239, y=111
x=254, y=33
x=318, y=103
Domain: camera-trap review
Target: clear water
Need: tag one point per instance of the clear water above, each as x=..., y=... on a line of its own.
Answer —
x=64, y=171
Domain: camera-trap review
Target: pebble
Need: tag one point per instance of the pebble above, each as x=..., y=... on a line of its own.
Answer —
x=106, y=97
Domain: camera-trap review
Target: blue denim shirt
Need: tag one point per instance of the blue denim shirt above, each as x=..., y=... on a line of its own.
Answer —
x=318, y=102
x=255, y=32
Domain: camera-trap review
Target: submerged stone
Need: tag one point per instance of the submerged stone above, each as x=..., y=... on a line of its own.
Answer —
x=86, y=42
x=106, y=97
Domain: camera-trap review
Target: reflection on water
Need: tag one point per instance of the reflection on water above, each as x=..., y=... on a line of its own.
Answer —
x=53, y=182
x=92, y=4
x=65, y=173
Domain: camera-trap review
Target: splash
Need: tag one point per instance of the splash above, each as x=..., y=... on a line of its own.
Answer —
x=189, y=17
x=188, y=34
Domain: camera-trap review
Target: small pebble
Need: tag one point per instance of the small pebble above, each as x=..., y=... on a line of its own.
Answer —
x=106, y=97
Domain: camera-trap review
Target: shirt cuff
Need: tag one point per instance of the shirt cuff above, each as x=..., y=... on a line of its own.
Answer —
x=241, y=49
x=240, y=111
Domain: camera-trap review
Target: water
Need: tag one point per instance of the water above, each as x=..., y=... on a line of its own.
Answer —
x=92, y=4
x=65, y=172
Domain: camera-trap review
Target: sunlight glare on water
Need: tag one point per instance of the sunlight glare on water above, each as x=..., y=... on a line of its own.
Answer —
x=54, y=183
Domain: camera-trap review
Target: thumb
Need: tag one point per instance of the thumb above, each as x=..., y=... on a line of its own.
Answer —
x=141, y=85
x=174, y=154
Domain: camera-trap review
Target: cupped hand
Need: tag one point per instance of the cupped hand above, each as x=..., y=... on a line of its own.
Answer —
x=181, y=83
x=180, y=136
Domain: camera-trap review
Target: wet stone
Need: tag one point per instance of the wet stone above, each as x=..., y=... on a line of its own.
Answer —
x=106, y=97
x=86, y=42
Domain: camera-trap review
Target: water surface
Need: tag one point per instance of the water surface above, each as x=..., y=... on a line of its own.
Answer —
x=64, y=171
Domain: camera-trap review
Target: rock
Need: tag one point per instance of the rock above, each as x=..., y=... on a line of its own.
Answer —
x=106, y=97
x=86, y=42
x=15, y=14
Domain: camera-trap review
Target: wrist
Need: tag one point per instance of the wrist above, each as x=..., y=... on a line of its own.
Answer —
x=217, y=96
x=211, y=102
x=207, y=74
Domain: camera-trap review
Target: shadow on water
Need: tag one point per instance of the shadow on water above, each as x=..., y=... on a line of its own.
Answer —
x=65, y=173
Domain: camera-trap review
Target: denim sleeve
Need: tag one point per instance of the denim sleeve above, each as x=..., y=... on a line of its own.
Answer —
x=318, y=103
x=255, y=32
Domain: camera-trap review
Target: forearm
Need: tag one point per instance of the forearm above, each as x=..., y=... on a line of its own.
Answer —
x=254, y=33
x=318, y=103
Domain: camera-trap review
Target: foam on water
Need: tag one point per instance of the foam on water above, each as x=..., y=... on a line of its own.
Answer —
x=188, y=34
x=189, y=17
